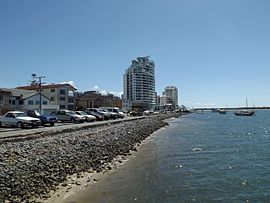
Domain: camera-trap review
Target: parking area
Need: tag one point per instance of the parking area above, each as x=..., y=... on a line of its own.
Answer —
x=9, y=132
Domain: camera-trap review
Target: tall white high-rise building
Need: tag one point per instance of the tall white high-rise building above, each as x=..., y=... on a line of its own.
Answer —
x=139, y=85
x=172, y=92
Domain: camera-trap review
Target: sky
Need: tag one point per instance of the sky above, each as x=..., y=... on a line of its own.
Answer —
x=215, y=51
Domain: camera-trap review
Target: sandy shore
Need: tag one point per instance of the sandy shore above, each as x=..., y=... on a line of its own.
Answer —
x=77, y=184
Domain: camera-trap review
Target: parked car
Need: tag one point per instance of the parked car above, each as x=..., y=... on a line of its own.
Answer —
x=111, y=114
x=67, y=115
x=88, y=118
x=45, y=119
x=99, y=117
x=105, y=115
x=116, y=110
x=18, y=119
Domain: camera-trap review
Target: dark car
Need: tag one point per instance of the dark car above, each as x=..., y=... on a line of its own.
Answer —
x=45, y=119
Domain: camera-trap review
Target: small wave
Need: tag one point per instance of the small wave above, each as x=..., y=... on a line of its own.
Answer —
x=195, y=149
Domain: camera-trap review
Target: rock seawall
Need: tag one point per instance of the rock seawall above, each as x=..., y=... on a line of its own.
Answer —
x=32, y=168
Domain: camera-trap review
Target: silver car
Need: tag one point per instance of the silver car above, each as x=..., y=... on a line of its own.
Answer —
x=68, y=116
x=88, y=118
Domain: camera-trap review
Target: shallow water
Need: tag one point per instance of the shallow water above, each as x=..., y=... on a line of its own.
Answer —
x=199, y=158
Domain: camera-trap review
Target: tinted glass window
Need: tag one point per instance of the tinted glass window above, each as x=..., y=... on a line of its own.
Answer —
x=62, y=91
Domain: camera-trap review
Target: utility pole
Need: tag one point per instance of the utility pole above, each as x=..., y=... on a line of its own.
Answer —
x=39, y=84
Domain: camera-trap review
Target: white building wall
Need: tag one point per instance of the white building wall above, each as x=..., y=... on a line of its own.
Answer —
x=32, y=103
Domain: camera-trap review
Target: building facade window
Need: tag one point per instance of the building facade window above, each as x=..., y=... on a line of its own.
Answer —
x=30, y=102
x=70, y=99
x=52, y=90
x=45, y=103
x=62, y=91
x=62, y=106
x=70, y=107
x=13, y=102
x=52, y=99
x=62, y=98
x=21, y=102
x=1, y=99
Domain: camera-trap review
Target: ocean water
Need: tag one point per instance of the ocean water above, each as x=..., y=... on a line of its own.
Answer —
x=198, y=158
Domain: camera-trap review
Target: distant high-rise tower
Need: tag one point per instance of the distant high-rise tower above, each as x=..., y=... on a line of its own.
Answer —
x=172, y=92
x=139, y=85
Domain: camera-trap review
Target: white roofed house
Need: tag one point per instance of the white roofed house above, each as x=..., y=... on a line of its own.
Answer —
x=62, y=94
x=23, y=100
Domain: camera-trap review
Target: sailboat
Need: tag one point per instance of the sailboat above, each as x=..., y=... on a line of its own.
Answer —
x=222, y=111
x=245, y=112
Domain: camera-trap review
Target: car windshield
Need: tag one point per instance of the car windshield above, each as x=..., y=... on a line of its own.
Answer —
x=20, y=114
x=82, y=113
x=72, y=113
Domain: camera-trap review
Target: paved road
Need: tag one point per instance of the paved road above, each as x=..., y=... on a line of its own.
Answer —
x=7, y=133
x=10, y=129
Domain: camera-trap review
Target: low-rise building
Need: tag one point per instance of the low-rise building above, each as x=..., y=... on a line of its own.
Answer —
x=94, y=99
x=59, y=94
x=5, y=101
x=23, y=100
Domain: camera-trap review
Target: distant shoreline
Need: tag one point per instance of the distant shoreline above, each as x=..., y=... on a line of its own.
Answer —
x=233, y=108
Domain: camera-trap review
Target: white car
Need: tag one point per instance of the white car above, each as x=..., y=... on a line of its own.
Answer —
x=18, y=119
x=116, y=110
x=88, y=118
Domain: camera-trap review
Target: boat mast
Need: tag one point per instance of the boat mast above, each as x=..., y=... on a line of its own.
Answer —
x=246, y=102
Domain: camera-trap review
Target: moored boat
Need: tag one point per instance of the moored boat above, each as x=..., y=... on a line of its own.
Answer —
x=244, y=113
x=222, y=111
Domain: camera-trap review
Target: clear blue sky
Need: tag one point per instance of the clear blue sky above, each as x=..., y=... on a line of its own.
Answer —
x=215, y=51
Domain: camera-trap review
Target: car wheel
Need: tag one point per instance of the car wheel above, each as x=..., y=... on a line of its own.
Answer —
x=20, y=125
x=51, y=124
x=0, y=124
x=72, y=120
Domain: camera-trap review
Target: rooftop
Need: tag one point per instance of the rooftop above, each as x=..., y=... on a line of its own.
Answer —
x=46, y=86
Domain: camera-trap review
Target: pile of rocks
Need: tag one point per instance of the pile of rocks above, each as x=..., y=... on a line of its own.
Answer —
x=32, y=168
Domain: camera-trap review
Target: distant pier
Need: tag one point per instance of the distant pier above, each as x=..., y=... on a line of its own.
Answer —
x=229, y=108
